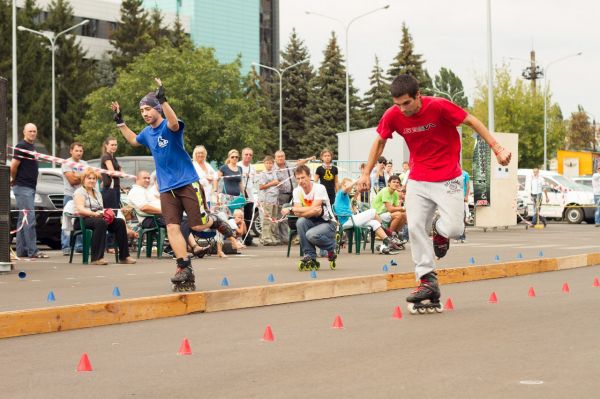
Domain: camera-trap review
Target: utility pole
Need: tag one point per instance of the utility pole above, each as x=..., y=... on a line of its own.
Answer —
x=533, y=72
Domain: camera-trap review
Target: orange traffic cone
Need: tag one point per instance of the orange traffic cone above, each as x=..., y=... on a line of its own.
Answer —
x=84, y=363
x=268, y=335
x=397, y=313
x=449, y=305
x=531, y=292
x=337, y=323
x=493, y=298
x=565, y=288
x=185, y=348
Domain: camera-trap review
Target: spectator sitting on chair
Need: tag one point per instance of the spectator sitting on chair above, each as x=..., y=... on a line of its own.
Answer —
x=89, y=205
x=71, y=182
x=144, y=202
x=387, y=206
x=369, y=218
x=238, y=226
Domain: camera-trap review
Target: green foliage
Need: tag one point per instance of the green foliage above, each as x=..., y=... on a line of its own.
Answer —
x=178, y=37
x=295, y=93
x=326, y=111
x=580, y=135
x=74, y=74
x=449, y=86
x=132, y=35
x=377, y=99
x=209, y=97
x=517, y=110
x=257, y=93
x=408, y=62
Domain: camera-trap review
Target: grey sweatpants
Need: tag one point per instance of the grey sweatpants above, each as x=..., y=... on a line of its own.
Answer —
x=422, y=199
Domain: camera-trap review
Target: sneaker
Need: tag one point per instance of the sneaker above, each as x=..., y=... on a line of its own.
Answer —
x=441, y=244
x=396, y=246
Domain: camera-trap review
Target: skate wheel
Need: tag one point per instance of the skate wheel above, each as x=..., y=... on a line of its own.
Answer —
x=173, y=288
x=300, y=267
x=411, y=308
x=421, y=310
x=430, y=310
x=440, y=308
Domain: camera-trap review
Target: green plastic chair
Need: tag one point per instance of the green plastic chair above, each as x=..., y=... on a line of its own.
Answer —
x=356, y=234
x=86, y=240
x=291, y=235
x=153, y=233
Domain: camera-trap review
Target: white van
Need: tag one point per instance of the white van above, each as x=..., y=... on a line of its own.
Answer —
x=567, y=200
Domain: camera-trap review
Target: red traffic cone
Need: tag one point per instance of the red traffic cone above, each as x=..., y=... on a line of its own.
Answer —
x=531, y=292
x=268, y=335
x=397, y=313
x=337, y=323
x=449, y=305
x=493, y=298
x=596, y=283
x=565, y=288
x=185, y=348
x=84, y=363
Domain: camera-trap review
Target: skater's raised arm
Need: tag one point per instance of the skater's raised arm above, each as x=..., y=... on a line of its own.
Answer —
x=502, y=154
x=125, y=131
x=364, y=182
x=172, y=122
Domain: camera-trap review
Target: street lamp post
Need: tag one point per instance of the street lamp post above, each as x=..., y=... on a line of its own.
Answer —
x=280, y=72
x=546, y=103
x=52, y=37
x=346, y=26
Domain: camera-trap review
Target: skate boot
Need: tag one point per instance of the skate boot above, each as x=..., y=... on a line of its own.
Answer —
x=308, y=263
x=441, y=244
x=332, y=256
x=429, y=291
x=184, y=279
x=221, y=226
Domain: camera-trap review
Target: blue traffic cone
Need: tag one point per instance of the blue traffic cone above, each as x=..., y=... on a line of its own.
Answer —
x=313, y=274
x=116, y=292
x=497, y=258
x=271, y=278
x=22, y=274
x=393, y=263
x=541, y=254
x=51, y=297
x=385, y=268
x=472, y=260
x=519, y=255
x=225, y=282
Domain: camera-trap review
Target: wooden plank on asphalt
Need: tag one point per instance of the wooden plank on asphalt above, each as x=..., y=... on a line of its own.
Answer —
x=62, y=318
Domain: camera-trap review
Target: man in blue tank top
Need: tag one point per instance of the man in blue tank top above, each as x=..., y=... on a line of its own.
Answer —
x=177, y=178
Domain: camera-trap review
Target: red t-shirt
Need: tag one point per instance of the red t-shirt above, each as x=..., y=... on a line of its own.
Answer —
x=431, y=136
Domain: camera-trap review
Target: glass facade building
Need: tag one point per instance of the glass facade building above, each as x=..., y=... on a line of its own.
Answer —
x=249, y=28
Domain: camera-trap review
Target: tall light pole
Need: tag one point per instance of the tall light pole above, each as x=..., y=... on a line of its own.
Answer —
x=280, y=72
x=546, y=103
x=346, y=27
x=15, y=123
x=53, y=37
x=491, y=126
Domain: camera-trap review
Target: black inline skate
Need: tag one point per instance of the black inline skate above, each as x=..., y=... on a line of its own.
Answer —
x=221, y=226
x=184, y=279
x=429, y=291
x=308, y=263
x=441, y=244
x=331, y=256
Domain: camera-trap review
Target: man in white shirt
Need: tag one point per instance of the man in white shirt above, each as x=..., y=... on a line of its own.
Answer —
x=537, y=188
x=596, y=188
x=316, y=225
x=145, y=202
x=248, y=177
x=71, y=182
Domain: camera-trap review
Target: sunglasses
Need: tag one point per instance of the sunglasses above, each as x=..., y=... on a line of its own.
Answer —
x=234, y=156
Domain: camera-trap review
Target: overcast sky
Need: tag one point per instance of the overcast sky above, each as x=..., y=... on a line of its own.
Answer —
x=452, y=34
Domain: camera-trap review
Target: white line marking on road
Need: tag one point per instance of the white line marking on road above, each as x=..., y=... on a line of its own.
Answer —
x=36, y=281
x=70, y=278
x=160, y=272
x=582, y=247
x=100, y=276
x=537, y=246
x=130, y=274
x=211, y=268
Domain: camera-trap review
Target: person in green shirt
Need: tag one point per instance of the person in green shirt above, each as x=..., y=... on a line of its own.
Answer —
x=387, y=205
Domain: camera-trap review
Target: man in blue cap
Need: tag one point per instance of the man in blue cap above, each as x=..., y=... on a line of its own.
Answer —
x=177, y=178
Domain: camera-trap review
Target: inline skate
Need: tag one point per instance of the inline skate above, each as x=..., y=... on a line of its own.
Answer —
x=184, y=279
x=308, y=263
x=428, y=290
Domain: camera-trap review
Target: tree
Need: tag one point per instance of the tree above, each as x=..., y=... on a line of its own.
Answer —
x=580, y=134
x=257, y=92
x=408, y=62
x=132, y=35
x=74, y=74
x=326, y=111
x=295, y=94
x=157, y=32
x=377, y=99
x=517, y=110
x=208, y=96
x=449, y=86
x=178, y=37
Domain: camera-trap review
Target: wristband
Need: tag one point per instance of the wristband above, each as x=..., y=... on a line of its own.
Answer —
x=118, y=118
x=497, y=148
x=160, y=94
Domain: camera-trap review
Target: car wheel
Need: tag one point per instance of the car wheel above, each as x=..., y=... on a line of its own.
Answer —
x=574, y=215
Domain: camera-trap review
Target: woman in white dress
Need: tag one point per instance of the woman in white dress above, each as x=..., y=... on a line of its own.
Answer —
x=208, y=176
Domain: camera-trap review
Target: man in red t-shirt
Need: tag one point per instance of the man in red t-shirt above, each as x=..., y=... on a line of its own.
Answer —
x=428, y=125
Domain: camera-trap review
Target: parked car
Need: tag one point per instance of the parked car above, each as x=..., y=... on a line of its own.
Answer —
x=130, y=164
x=585, y=180
x=49, y=201
x=568, y=200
